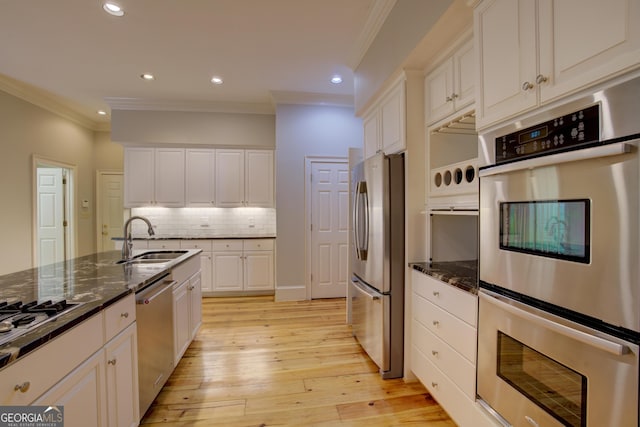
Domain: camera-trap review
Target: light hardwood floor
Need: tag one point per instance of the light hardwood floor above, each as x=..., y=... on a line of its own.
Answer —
x=256, y=362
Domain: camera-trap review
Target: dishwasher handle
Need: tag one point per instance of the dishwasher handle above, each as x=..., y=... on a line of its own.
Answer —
x=154, y=291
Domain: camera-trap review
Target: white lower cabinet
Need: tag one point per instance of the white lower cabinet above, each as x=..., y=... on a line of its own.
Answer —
x=187, y=306
x=82, y=393
x=121, y=356
x=243, y=266
x=443, y=347
x=96, y=382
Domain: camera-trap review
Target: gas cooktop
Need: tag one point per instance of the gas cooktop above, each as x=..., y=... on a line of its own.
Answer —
x=18, y=318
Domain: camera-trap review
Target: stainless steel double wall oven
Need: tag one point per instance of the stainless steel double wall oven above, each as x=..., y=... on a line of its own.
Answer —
x=559, y=316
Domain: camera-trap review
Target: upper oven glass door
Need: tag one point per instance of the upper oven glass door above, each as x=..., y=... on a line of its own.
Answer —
x=564, y=229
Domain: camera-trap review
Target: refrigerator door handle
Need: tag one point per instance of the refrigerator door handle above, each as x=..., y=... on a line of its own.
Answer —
x=355, y=222
x=362, y=289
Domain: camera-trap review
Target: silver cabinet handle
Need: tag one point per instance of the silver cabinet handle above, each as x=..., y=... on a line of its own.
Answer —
x=436, y=293
x=435, y=353
x=448, y=99
x=112, y=361
x=436, y=323
x=541, y=79
x=125, y=314
x=434, y=384
x=24, y=387
x=527, y=86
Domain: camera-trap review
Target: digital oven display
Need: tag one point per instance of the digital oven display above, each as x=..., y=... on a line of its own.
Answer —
x=551, y=228
x=538, y=133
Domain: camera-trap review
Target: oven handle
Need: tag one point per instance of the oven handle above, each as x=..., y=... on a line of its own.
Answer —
x=554, y=159
x=591, y=340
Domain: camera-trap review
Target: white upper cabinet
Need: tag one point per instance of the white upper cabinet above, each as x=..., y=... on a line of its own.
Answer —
x=259, y=178
x=533, y=52
x=200, y=177
x=154, y=177
x=230, y=178
x=384, y=125
x=244, y=178
x=169, y=177
x=450, y=86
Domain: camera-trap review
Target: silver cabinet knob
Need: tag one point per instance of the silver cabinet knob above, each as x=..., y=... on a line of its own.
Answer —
x=434, y=384
x=527, y=86
x=436, y=293
x=124, y=315
x=541, y=79
x=24, y=387
x=436, y=323
x=435, y=353
x=112, y=361
x=448, y=99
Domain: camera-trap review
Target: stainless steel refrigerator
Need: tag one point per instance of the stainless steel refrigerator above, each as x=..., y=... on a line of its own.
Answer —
x=377, y=260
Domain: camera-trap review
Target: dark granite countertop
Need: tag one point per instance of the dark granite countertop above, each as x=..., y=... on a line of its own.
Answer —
x=95, y=280
x=461, y=274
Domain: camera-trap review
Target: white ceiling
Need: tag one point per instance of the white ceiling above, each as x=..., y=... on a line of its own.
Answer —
x=262, y=49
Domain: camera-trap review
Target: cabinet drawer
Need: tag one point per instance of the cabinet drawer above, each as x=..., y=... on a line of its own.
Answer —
x=258, y=245
x=41, y=369
x=451, y=363
x=188, y=268
x=459, y=407
x=456, y=301
x=119, y=316
x=227, y=245
x=205, y=245
x=164, y=244
x=458, y=334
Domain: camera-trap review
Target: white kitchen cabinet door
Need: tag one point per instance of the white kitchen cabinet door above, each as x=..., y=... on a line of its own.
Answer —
x=259, y=270
x=139, y=177
x=82, y=393
x=121, y=355
x=392, y=120
x=505, y=37
x=259, y=178
x=195, y=305
x=181, y=331
x=169, y=177
x=464, y=75
x=229, y=182
x=371, y=125
x=584, y=41
x=206, y=263
x=200, y=177
x=227, y=271
x=438, y=87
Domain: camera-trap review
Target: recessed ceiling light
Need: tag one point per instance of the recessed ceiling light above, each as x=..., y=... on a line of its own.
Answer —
x=102, y=113
x=113, y=9
x=147, y=76
x=216, y=80
x=336, y=79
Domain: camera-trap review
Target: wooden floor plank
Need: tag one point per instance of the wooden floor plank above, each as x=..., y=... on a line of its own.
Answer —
x=256, y=362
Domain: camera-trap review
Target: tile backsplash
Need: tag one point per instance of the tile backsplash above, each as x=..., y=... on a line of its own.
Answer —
x=206, y=222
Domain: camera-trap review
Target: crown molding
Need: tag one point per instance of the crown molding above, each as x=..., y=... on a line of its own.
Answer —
x=50, y=102
x=189, y=106
x=311, y=98
x=377, y=15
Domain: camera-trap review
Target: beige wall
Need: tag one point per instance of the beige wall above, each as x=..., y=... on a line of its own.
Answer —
x=27, y=130
x=304, y=130
x=407, y=24
x=193, y=128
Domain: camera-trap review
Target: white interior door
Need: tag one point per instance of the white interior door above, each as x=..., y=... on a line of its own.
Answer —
x=111, y=209
x=50, y=216
x=329, y=228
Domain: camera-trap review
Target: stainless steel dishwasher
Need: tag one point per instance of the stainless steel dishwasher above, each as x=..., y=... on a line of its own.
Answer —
x=154, y=315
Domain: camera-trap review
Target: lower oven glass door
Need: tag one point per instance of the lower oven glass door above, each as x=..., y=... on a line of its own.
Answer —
x=536, y=369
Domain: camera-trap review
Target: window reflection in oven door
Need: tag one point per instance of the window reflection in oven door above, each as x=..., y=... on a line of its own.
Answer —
x=536, y=369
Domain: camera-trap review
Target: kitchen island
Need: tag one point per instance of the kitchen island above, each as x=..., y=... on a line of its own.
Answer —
x=96, y=281
x=81, y=345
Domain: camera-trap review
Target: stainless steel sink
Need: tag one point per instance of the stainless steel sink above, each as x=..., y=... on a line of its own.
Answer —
x=153, y=257
x=164, y=255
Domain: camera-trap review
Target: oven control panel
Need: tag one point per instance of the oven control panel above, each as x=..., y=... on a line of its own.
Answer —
x=560, y=134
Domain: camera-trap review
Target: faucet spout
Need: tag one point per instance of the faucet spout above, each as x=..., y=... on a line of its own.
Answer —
x=127, y=245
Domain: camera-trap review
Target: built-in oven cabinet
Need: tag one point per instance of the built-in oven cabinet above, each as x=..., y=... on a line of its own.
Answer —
x=534, y=52
x=443, y=347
